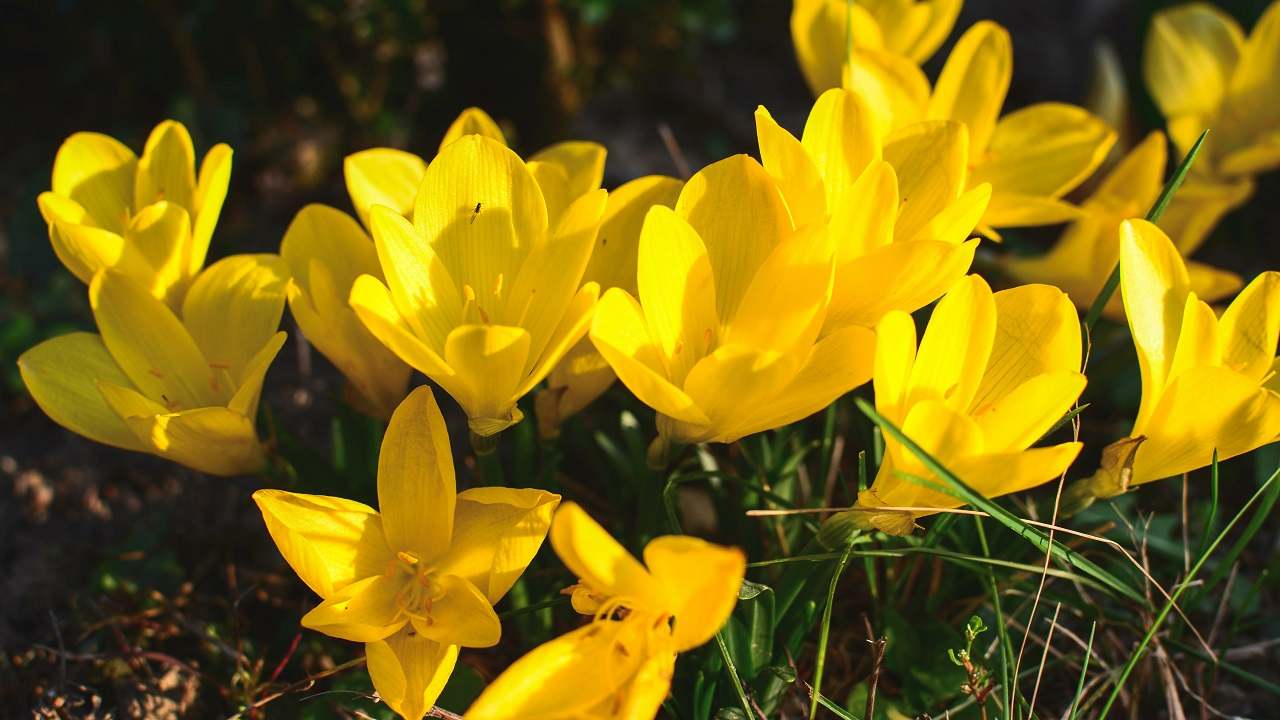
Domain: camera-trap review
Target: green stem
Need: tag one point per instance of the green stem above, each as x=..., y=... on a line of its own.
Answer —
x=733, y=674
x=825, y=631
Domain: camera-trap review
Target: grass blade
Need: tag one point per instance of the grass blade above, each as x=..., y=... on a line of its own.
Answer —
x=1084, y=671
x=825, y=631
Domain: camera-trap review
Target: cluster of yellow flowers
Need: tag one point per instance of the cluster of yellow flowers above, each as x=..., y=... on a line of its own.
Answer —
x=750, y=296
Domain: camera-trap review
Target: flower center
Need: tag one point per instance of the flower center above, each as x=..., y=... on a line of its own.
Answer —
x=421, y=588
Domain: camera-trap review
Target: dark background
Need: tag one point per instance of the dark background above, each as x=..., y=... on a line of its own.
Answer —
x=293, y=86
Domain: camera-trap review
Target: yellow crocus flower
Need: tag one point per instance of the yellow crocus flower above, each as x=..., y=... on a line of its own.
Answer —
x=1204, y=73
x=483, y=292
x=723, y=338
x=899, y=215
x=1208, y=382
x=1089, y=249
x=993, y=373
x=619, y=665
x=1032, y=156
x=912, y=29
x=418, y=580
x=327, y=250
x=184, y=387
x=149, y=218
x=583, y=374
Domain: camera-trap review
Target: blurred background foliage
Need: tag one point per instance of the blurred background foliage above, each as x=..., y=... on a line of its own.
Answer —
x=111, y=554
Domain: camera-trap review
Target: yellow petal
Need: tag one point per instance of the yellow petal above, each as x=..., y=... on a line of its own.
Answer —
x=245, y=401
x=233, y=309
x=383, y=176
x=1197, y=208
x=372, y=303
x=152, y=346
x=473, y=121
x=895, y=355
x=914, y=28
x=1028, y=411
x=842, y=137
x=789, y=164
x=96, y=171
x=319, y=233
x=1212, y=284
x=649, y=687
x=1251, y=327
x=838, y=363
x=565, y=677
x=739, y=213
x=943, y=433
x=416, y=488
x=582, y=162
x=677, y=291
x=903, y=276
x=159, y=239
x=213, y=440
x=1154, y=285
x=550, y=276
x=362, y=611
x=573, y=327
x=930, y=160
x=553, y=180
x=974, y=82
x=996, y=474
x=896, y=89
x=422, y=288
x=863, y=218
x=480, y=209
x=820, y=31
x=1135, y=182
x=1190, y=54
x=613, y=261
x=496, y=533
x=1205, y=409
x=957, y=221
x=1198, y=343
x=167, y=169
x=956, y=346
x=597, y=559
x=461, y=616
x=329, y=542
x=732, y=382
x=701, y=581
x=211, y=192
x=619, y=331
x=490, y=361
x=1043, y=150
x=85, y=250
x=1037, y=332
x=62, y=375
x=410, y=672
x=782, y=309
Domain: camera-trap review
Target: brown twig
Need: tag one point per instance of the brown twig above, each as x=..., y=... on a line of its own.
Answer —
x=877, y=658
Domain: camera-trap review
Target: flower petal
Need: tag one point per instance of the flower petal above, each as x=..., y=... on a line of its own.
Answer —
x=903, y=276
x=784, y=306
x=213, y=440
x=416, y=486
x=1028, y=411
x=841, y=136
x=362, y=611
x=329, y=542
x=789, y=164
x=461, y=616
x=1190, y=54
x=62, y=375
x=496, y=533
x=956, y=346
x=167, y=168
x=996, y=474
x=422, y=288
x=974, y=82
x=233, y=309
x=211, y=192
x=490, y=361
x=613, y=261
x=1251, y=327
x=820, y=32
x=592, y=554
x=702, y=581
x=409, y=672
x=1037, y=332
x=931, y=161
x=157, y=246
x=733, y=381
x=582, y=162
x=383, y=176
x=372, y=303
x=96, y=171
x=245, y=401
x=677, y=292
x=472, y=121
x=896, y=89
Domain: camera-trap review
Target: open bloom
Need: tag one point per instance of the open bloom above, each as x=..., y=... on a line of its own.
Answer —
x=483, y=291
x=583, y=374
x=183, y=387
x=150, y=218
x=899, y=216
x=1208, y=383
x=619, y=665
x=1089, y=248
x=418, y=580
x=1204, y=73
x=1032, y=156
x=992, y=375
x=723, y=339
x=911, y=29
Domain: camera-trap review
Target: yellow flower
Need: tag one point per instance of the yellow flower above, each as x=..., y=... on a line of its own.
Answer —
x=1204, y=73
x=1207, y=382
x=619, y=665
x=723, y=340
x=1032, y=156
x=583, y=375
x=183, y=387
x=912, y=29
x=992, y=374
x=418, y=580
x=1089, y=249
x=900, y=216
x=150, y=218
